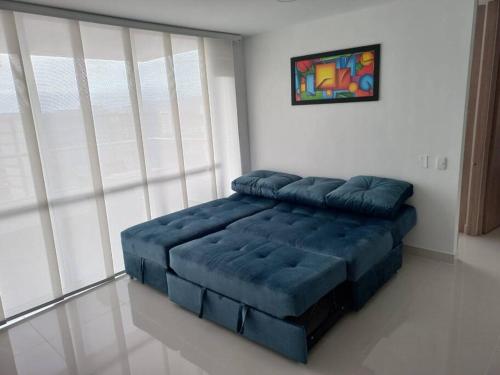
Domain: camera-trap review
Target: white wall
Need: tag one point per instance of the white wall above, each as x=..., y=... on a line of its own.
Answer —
x=425, y=57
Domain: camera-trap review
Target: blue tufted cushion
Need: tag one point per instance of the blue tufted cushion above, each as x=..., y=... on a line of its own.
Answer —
x=275, y=278
x=153, y=239
x=263, y=183
x=362, y=241
x=309, y=190
x=370, y=195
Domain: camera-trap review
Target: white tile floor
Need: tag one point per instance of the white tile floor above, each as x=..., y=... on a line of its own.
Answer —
x=433, y=318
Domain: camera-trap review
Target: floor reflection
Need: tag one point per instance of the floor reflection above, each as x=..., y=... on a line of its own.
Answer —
x=432, y=318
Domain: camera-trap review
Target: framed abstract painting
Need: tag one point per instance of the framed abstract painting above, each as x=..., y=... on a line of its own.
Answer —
x=348, y=75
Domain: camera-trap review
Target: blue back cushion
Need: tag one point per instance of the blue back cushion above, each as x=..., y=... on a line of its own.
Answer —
x=310, y=190
x=263, y=183
x=368, y=195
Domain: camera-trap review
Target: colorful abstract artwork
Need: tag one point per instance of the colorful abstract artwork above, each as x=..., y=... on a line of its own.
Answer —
x=349, y=75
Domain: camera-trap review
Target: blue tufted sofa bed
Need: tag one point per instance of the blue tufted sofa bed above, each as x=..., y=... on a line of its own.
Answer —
x=282, y=259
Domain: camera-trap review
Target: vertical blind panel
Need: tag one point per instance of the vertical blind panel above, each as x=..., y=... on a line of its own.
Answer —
x=115, y=132
x=101, y=127
x=222, y=94
x=192, y=119
x=63, y=148
x=161, y=152
x=25, y=278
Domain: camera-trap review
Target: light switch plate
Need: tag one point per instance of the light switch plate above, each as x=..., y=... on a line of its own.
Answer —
x=424, y=160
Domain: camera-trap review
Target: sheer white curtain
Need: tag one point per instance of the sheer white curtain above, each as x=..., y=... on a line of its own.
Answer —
x=102, y=127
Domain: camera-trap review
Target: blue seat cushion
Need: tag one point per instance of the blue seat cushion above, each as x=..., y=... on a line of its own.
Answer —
x=263, y=183
x=275, y=278
x=361, y=241
x=309, y=190
x=153, y=239
x=370, y=195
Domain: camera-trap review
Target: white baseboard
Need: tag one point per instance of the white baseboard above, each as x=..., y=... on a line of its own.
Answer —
x=437, y=255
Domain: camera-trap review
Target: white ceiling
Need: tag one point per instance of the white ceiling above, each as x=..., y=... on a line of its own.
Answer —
x=235, y=16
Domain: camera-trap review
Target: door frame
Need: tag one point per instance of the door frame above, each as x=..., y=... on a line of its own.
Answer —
x=484, y=91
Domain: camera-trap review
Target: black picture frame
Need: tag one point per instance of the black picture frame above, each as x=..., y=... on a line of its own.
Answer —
x=376, y=75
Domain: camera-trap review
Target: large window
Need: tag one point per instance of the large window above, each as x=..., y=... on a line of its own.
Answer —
x=101, y=127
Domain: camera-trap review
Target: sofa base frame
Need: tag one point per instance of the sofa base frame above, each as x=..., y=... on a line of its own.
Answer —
x=292, y=337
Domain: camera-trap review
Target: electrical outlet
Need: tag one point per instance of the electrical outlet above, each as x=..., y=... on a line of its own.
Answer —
x=441, y=163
